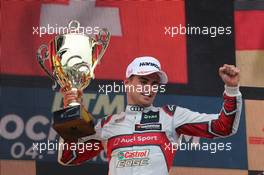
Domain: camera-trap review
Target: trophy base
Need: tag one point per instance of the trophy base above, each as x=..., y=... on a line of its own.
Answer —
x=73, y=122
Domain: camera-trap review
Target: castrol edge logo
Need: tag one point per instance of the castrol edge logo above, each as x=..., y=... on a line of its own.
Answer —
x=135, y=154
x=133, y=158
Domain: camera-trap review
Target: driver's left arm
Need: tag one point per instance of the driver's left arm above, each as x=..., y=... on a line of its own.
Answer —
x=205, y=125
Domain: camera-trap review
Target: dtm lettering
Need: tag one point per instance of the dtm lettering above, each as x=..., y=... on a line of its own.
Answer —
x=133, y=158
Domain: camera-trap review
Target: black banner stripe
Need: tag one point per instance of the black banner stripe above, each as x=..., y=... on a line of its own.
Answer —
x=249, y=5
x=53, y=168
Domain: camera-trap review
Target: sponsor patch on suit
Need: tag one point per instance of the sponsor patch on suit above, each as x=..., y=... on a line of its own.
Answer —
x=148, y=126
x=150, y=117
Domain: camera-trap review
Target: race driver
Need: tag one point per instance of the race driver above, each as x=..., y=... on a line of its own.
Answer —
x=136, y=140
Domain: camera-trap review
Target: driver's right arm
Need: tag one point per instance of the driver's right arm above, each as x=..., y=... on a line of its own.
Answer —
x=74, y=153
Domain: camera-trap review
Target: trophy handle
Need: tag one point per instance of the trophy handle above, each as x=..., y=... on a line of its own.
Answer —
x=103, y=40
x=42, y=58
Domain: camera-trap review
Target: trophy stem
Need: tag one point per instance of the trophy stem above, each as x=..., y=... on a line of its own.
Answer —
x=73, y=102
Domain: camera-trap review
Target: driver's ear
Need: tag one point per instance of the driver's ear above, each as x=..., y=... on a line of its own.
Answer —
x=128, y=80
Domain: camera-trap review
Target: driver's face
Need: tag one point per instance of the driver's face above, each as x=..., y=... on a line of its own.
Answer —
x=142, y=94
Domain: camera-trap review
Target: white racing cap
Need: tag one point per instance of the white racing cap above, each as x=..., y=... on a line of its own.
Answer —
x=146, y=65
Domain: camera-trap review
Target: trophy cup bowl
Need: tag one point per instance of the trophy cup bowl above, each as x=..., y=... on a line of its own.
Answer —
x=69, y=60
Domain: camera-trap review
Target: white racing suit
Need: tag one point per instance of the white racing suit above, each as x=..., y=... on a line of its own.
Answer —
x=136, y=141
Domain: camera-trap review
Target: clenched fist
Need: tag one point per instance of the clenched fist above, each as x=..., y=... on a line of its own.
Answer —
x=229, y=75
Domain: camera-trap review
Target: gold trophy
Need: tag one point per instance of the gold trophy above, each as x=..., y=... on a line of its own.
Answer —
x=70, y=60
